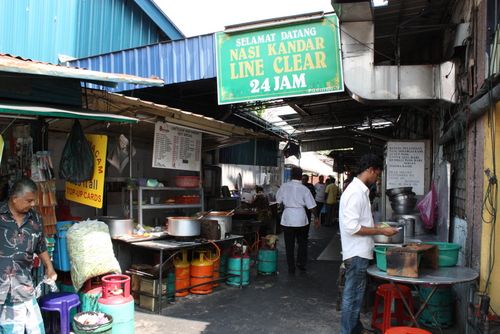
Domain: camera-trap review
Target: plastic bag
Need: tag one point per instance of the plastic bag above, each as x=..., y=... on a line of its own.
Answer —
x=52, y=285
x=428, y=207
x=90, y=251
x=77, y=159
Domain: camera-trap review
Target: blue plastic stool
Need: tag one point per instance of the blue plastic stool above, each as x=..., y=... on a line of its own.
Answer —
x=61, y=302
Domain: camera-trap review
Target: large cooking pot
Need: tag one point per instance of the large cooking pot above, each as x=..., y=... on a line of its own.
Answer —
x=118, y=226
x=396, y=191
x=225, y=219
x=397, y=238
x=183, y=226
x=404, y=206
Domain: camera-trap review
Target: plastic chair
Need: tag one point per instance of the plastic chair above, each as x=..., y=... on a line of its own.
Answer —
x=406, y=330
x=61, y=302
x=387, y=294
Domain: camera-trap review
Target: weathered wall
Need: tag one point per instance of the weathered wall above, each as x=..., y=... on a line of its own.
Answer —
x=490, y=270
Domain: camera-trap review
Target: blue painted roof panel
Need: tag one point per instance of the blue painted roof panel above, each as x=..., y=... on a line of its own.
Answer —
x=45, y=29
x=161, y=20
x=38, y=29
x=174, y=61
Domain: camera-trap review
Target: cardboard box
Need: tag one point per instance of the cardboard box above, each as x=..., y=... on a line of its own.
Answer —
x=151, y=303
x=150, y=286
x=406, y=261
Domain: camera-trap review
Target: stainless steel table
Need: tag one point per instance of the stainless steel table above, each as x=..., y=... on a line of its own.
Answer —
x=434, y=278
x=175, y=245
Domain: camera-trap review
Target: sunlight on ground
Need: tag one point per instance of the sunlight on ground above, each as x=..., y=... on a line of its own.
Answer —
x=155, y=324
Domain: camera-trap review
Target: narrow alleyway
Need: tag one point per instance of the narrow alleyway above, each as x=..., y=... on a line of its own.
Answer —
x=303, y=303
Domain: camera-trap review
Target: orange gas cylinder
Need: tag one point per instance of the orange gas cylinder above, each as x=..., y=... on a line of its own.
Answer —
x=202, y=270
x=182, y=271
x=216, y=261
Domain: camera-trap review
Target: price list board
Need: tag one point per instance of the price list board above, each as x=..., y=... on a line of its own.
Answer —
x=405, y=165
x=176, y=147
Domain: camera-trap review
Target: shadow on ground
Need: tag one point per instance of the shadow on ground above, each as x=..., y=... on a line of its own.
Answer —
x=300, y=303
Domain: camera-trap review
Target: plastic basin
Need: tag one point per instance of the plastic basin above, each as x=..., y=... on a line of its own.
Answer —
x=447, y=253
x=380, y=257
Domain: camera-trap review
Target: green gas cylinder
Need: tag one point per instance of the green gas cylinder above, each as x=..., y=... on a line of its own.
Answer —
x=267, y=259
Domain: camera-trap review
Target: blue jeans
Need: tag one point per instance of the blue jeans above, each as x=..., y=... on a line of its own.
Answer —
x=352, y=297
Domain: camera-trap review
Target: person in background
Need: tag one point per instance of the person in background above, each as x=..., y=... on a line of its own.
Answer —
x=305, y=181
x=332, y=195
x=356, y=230
x=21, y=236
x=294, y=196
x=261, y=205
x=346, y=183
x=320, y=194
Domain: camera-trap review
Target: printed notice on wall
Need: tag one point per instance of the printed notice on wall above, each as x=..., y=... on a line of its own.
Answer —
x=176, y=147
x=406, y=165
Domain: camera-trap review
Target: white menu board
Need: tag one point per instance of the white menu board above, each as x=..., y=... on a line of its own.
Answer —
x=176, y=147
x=405, y=165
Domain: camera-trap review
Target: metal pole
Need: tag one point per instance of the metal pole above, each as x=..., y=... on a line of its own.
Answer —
x=131, y=209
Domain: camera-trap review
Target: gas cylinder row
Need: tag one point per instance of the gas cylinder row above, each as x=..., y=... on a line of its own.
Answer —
x=202, y=274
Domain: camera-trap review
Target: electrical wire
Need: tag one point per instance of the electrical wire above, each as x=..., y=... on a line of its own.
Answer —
x=491, y=196
x=366, y=45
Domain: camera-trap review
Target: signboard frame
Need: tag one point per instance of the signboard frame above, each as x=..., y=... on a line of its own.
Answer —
x=294, y=65
x=164, y=151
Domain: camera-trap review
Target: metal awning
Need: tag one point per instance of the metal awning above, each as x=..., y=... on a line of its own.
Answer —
x=14, y=110
x=13, y=64
x=149, y=112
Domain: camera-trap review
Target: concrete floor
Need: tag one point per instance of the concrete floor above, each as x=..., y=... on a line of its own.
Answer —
x=301, y=303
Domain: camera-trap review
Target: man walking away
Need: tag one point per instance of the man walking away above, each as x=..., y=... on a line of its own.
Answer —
x=356, y=230
x=331, y=194
x=305, y=181
x=320, y=195
x=295, y=198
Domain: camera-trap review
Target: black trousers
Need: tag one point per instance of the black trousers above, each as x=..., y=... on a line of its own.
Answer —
x=300, y=234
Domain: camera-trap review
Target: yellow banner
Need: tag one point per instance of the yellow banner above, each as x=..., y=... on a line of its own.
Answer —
x=91, y=192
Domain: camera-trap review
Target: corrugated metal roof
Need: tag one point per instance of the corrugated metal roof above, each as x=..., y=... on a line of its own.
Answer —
x=13, y=64
x=45, y=29
x=160, y=18
x=174, y=61
x=121, y=104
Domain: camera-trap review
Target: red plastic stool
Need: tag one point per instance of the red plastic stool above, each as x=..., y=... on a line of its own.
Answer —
x=406, y=330
x=387, y=293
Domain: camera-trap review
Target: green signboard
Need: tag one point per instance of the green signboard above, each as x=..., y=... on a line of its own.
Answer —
x=277, y=62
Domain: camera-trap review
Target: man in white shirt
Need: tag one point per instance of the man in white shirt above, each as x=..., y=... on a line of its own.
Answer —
x=295, y=197
x=356, y=229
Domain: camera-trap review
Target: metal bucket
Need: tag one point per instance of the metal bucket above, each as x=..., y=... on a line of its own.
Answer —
x=183, y=226
x=118, y=226
x=225, y=220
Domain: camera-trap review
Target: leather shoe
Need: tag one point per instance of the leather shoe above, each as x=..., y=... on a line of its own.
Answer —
x=301, y=268
x=291, y=271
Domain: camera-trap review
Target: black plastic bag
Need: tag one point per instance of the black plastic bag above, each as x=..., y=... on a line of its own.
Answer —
x=77, y=160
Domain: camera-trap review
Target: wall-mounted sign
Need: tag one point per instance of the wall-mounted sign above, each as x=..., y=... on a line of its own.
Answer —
x=176, y=147
x=405, y=165
x=91, y=192
x=284, y=61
